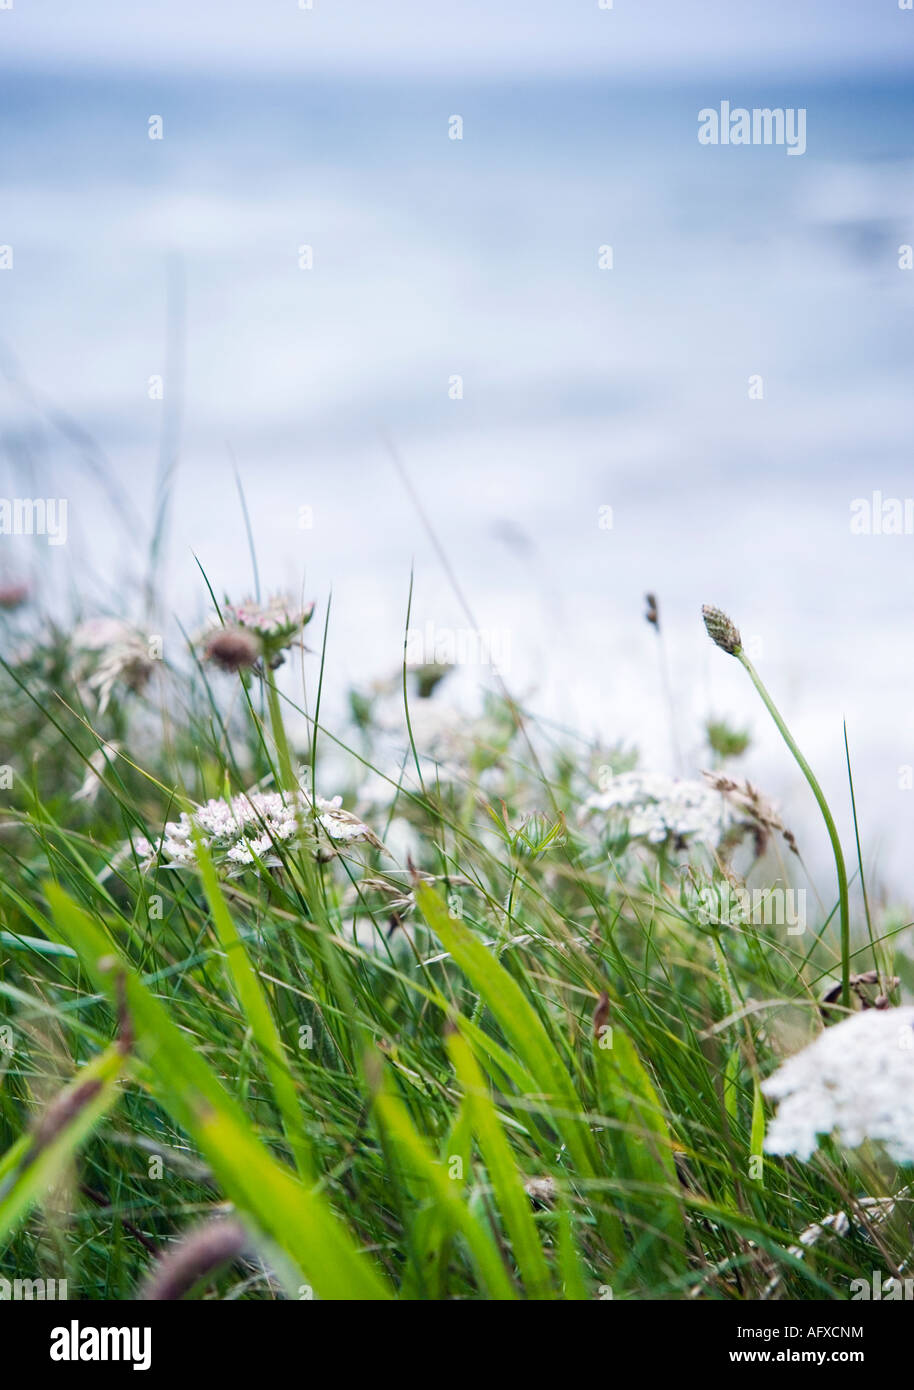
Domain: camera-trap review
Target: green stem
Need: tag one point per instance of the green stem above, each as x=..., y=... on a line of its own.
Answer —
x=829, y=825
x=288, y=781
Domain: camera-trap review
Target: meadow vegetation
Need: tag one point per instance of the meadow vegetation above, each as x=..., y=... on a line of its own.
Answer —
x=414, y=1003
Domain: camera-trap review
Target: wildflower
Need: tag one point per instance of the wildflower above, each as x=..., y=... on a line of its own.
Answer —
x=721, y=630
x=342, y=825
x=232, y=648
x=250, y=633
x=855, y=1082
x=278, y=623
x=250, y=827
x=13, y=596
x=111, y=652
x=657, y=810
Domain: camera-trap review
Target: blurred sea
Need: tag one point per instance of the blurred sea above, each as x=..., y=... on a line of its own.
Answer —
x=582, y=388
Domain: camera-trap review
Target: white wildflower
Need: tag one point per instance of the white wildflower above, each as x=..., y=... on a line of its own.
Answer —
x=855, y=1082
x=339, y=824
x=251, y=826
x=656, y=809
x=278, y=622
x=110, y=652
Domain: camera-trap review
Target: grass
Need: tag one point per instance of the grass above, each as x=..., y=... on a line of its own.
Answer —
x=513, y=1062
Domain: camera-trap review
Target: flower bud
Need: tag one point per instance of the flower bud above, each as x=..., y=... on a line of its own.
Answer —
x=232, y=649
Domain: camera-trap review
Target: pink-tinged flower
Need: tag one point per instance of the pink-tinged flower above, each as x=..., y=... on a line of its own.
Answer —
x=13, y=596
x=278, y=622
x=233, y=648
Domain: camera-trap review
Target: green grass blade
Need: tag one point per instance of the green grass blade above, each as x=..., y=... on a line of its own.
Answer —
x=28, y=1170
x=574, y=1281
x=512, y=1200
x=525, y=1031
x=257, y=1013
x=415, y=1155
x=757, y=1133
x=642, y=1143
x=298, y=1220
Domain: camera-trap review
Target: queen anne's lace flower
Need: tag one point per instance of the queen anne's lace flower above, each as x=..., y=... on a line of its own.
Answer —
x=855, y=1082
x=250, y=827
x=656, y=809
x=278, y=620
x=110, y=652
x=248, y=632
x=339, y=824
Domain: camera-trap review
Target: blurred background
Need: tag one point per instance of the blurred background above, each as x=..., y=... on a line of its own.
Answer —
x=308, y=279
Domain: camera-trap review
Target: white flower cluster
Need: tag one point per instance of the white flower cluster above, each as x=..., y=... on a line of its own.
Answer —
x=110, y=651
x=654, y=808
x=454, y=740
x=250, y=826
x=856, y=1082
x=279, y=617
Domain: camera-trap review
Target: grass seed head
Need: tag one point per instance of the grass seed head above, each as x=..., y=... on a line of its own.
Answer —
x=200, y=1254
x=721, y=629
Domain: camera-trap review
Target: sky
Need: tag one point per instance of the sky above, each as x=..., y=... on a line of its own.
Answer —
x=624, y=39
x=582, y=388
